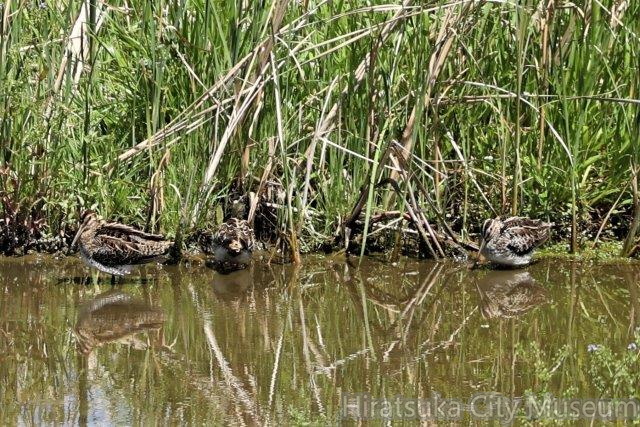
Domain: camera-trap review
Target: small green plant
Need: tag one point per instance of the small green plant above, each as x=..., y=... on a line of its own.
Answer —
x=545, y=367
x=615, y=373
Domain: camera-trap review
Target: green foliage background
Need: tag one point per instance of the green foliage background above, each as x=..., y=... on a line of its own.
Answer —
x=508, y=107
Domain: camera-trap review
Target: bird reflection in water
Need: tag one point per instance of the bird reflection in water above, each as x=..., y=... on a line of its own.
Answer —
x=115, y=316
x=509, y=294
x=232, y=285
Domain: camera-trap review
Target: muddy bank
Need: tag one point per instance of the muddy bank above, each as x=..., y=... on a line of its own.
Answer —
x=426, y=232
x=390, y=232
x=24, y=239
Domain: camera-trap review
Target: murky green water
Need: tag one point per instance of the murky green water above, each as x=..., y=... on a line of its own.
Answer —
x=283, y=344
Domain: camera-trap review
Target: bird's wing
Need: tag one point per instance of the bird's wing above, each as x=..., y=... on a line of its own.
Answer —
x=126, y=232
x=131, y=250
x=519, y=221
x=523, y=240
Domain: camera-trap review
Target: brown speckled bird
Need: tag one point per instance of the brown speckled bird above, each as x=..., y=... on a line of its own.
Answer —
x=230, y=247
x=114, y=248
x=511, y=241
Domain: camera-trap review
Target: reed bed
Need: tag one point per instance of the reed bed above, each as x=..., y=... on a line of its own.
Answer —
x=162, y=112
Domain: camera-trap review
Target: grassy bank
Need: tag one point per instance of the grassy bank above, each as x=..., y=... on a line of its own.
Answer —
x=162, y=111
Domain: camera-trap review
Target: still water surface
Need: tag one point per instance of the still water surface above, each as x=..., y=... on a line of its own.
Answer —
x=282, y=344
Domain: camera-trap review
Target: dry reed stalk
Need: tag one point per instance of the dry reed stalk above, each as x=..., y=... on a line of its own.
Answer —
x=402, y=168
x=328, y=122
x=318, y=134
x=261, y=58
x=413, y=211
x=77, y=51
x=292, y=238
x=191, y=118
x=362, y=200
x=256, y=82
x=629, y=241
x=235, y=120
x=156, y=191
x=545, y=48
x=184, y=121
x=456, y=239
x=6, y=26
x=263, y=182
x=443, y=44
x=422, y=222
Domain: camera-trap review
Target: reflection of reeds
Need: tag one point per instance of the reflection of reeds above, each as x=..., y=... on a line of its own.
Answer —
x=247, y=400
x=282, y=350
x=632, y=277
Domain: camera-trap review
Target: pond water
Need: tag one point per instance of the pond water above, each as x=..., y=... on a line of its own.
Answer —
x=276, y=344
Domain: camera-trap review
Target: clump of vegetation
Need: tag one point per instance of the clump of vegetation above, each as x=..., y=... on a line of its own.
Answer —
x=148, y=109
x=603, y=251
x=613, y=373
x=616, y=373
x=544, y=373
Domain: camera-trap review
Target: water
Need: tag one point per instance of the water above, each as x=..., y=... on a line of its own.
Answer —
x=284, y=344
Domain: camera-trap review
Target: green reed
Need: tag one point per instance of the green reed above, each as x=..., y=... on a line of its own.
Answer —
x=500, y=108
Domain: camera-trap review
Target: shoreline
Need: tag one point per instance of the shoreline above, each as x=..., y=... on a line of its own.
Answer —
x=604, y=250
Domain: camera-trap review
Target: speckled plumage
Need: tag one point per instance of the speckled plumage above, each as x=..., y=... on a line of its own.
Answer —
x=511, y=241
x=509, y=294
x=230, y=247
x=113, y=248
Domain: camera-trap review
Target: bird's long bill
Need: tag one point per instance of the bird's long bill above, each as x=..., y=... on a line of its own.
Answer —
x=482, y=243
x=477, y=260
x=75, y=239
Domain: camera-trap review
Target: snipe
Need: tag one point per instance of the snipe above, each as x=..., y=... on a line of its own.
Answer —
x=230, y=247
x=115, y=248
x=511, y=241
